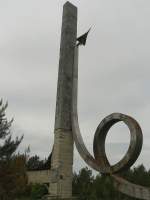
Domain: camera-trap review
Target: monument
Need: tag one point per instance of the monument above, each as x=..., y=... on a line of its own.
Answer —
x=62, y=157
x=67, y=130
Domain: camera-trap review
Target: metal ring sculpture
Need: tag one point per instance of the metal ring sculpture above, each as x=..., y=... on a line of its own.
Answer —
x=99, y=162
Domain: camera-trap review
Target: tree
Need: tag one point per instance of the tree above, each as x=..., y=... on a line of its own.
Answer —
x=82, y=184
x=35, y=163
x=13, y=178
x=85, y=186
x=38, y=191
x=48, y=161
x=12, y=167
x=7, y=145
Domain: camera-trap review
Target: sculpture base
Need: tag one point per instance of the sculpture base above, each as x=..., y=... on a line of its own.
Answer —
x=49, y=197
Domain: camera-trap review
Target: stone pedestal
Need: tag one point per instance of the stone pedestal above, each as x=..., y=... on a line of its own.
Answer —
x=62, y=161
x=58, y=198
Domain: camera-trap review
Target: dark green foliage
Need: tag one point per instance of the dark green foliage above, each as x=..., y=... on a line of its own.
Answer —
x=7, y=145
x=103, y=187
x=35, y=163
x=12, y=167
x=38, y=191
x=13, y=178
x=48, y=161
x=82, y=184
x=85, y=186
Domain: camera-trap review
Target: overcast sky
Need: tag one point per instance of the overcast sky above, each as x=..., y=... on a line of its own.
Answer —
x=114, y=70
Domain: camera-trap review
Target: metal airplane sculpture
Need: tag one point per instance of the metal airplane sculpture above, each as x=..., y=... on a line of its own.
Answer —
x=82, y=39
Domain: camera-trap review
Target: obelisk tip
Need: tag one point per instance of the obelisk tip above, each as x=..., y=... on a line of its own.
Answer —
x=69, y=4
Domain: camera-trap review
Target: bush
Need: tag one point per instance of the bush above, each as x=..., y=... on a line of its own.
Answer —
x=38, y=191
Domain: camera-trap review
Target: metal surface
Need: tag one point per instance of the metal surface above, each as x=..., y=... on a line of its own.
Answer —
x=99, y=161
x=134, y=147
x=87, y=157
x=130, y=189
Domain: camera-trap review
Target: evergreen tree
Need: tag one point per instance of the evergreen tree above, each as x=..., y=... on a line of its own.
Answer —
x=7, y=145
x=82, y=184
x=35, y=163
x=13, y=178
x=47, y=164
x=85, y=186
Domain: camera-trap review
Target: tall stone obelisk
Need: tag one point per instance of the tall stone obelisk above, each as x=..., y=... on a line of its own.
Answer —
x=62, y=157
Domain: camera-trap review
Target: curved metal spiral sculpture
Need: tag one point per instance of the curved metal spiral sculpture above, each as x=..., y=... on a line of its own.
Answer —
x=99, y=162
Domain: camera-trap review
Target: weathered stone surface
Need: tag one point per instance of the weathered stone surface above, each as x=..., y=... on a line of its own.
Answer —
x=134, y=149
x=62, y=161
x=58, y=198
x=133, y=190
x=64, y=87
x=40, y=176
x=62, y=157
